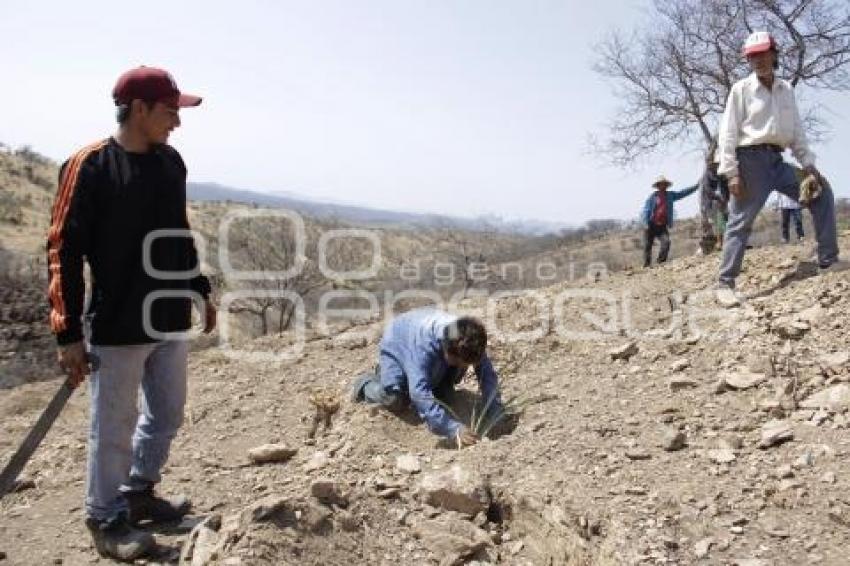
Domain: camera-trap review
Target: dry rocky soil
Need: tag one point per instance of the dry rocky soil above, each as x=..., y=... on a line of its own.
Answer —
x=658, y=428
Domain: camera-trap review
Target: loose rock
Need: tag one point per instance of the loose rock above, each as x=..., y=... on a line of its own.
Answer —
x=674, y=440
x=702, y=547
x=721, y=455
x=742, y=380
x=455, y=489
x=784, y=472
x=774, y=433
x=836, y=397
x=329, y=492
x=637, y=454
x=268, y=453
x=791, y=329
x=834, y=364
x=679, y=383
x=451, y=539
x=408, y=463
x=317, y=461
x=805, y=460
x=624, y=352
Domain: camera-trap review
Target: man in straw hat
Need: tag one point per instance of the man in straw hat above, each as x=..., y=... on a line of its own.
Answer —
x=761, y=120
x=657, y=218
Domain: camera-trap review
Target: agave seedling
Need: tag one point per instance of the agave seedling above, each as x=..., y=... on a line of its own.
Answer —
x=483, y=419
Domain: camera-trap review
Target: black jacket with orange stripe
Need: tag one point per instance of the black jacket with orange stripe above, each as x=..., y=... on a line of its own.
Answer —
x=109, y=200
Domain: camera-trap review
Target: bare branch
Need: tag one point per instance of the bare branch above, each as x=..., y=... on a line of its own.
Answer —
x=673, y=77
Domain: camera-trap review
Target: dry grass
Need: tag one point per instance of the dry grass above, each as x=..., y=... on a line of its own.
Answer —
x=27, y=186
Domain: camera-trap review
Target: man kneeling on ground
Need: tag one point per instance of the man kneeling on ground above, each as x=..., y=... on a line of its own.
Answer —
x=423, y=355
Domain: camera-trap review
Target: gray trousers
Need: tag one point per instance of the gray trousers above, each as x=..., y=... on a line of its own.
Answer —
x=128, y=443
x=762, y=170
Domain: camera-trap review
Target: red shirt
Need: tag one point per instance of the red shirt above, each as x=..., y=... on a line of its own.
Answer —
x=659, y=216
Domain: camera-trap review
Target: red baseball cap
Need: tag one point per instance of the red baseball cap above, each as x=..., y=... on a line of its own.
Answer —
x=153, y=85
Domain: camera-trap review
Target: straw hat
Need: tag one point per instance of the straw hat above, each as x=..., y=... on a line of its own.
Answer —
x=662, y=180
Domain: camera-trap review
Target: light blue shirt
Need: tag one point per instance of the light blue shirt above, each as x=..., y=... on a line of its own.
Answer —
x=415, y=341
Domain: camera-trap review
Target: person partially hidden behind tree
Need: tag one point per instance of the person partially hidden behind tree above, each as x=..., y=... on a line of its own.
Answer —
x=713, y=205
x=657, y=218
x=790, y=209
x=423, y=354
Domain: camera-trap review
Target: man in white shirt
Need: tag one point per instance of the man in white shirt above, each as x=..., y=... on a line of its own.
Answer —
x=761, y=120
x=790, y=210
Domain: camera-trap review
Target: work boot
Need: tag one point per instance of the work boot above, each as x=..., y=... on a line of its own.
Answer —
x=726, y=296
x=835, y=266
x=146, y=506
x=358, y=386
x=116, y=538
x=357, y=395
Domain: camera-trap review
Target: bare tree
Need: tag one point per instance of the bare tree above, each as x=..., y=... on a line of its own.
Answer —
x=674, y=76
x=467, y=257
x=269, y=248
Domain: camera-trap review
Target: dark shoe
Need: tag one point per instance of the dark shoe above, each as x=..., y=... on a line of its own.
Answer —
x=835, y=266
x=116, y=538
x=358, y=386
x=146, y=506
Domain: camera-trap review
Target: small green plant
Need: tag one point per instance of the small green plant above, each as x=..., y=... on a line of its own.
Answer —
x=483, y=419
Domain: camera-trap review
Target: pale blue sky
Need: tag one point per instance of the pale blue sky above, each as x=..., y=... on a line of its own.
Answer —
x=463, y=107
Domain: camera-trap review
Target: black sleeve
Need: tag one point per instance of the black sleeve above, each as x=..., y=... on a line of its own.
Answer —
x=68, y=241
x=200, y=283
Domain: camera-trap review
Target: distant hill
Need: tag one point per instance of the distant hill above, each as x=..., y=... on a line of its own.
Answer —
x=365, y=215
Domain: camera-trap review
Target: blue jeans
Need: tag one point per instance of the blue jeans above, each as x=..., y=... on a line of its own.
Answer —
x=762, y=170
x=128, y=441
x=390, y=397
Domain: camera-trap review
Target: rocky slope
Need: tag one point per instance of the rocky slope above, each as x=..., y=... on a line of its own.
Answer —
x=659, y=429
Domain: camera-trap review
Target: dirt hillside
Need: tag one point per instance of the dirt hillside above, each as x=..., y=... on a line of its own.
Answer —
x=594, y=471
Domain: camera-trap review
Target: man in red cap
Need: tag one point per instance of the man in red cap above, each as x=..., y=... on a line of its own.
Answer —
x=121, y=207
x=760, y=121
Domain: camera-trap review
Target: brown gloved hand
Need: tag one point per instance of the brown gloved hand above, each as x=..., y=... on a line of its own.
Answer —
x=810, y=188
